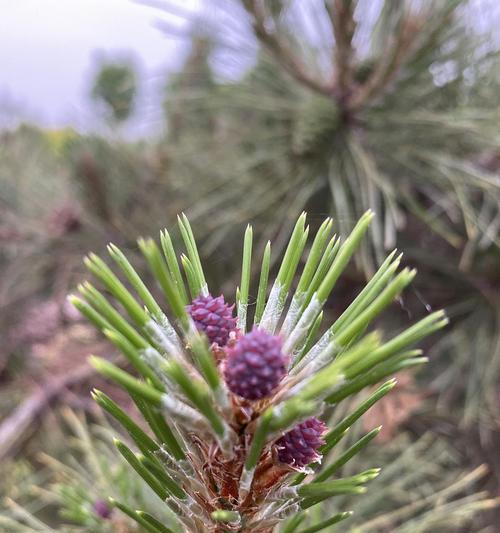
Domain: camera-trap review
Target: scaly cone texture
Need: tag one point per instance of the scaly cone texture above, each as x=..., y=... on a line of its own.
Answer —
x=299, y=447
x=214, y=317
x=234, y=438
x=255, y=365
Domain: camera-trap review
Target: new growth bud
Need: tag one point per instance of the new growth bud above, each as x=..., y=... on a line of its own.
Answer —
x=299, y=447
x=214, y=317
x=255, y=365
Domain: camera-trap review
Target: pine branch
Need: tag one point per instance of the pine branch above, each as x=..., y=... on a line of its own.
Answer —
x=238, y=402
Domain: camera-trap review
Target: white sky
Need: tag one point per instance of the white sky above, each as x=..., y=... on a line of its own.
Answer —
x=48, y=48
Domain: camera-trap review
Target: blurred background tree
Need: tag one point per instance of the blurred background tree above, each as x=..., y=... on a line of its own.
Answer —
x=116, y=87
x=337, y=107
x=343, y=107
x=377, y=109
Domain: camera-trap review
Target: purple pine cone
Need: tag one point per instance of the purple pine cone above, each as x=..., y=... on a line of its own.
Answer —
x=299, y=447
x=102, y=509
x=255, y=365
x=214, y=317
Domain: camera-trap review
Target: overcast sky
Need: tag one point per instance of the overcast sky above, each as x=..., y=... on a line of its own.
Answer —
x=48, y=49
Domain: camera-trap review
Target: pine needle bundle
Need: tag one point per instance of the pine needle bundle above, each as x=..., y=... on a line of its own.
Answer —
x=238, y=406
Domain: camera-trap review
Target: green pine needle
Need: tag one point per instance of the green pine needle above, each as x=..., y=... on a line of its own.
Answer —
x=184, y=376
x=242, y=298
x=263, y=280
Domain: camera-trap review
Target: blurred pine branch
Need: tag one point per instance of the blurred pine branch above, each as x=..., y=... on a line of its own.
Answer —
x=338, y=107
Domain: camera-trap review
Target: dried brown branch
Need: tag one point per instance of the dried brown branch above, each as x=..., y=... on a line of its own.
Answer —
x=21, y=422
x=398, y=50
x=341, y=14
x=268, y=35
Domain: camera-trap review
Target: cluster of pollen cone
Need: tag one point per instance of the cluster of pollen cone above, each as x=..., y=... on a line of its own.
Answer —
x=254, y=367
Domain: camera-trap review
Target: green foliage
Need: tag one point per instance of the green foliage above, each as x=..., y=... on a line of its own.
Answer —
x=63, y=193
x=115, y=85
x=195, y=76
x=341, y=109
x=398, y=139
x=87, y=472
x=419, y=489
x=183, y=398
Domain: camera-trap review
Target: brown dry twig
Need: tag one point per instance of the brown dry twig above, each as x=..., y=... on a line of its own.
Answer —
x=22, y=421
x=398, y=51
x=341, y=16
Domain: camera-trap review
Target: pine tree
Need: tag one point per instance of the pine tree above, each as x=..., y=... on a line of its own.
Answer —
x=345, y=108
x=115, y=86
